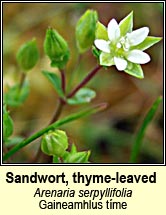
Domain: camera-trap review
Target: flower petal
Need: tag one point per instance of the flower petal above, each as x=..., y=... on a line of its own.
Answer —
x=138, y=36
x=113, y=30
x=120, y=63
x=103, y=45
x=106, y=59
x=138, y=56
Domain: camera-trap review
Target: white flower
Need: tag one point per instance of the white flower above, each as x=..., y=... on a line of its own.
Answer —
x=119, y=49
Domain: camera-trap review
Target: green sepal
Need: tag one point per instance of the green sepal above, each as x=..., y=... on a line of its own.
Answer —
x=101, y=31
x=16, y=95
x=106, y=59
x=60, y=62
x=96, y=52
x=134, y=70
x=28, y=55
x=76, y=157
x=84, y=95
x=147, y=43
x=126, y=25
x=85, y=30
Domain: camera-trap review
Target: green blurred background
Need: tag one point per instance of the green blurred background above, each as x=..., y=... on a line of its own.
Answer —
x=109, y=134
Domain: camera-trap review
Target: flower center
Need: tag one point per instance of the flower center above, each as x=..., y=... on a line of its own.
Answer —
x=125, y=43
x=120, y=48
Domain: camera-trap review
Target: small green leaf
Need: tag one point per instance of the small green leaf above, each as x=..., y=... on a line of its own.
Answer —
x=85, y=30
x=76, y=157
x=101, y=31
x=56, y=48
x=84, y=95
x=55, y=81
x=14, y=141
x=16, y=96
x=7, y=124
x=140, y=134
x=126, y=25
x=28, y=55
x=135, y=70
x=147, y=43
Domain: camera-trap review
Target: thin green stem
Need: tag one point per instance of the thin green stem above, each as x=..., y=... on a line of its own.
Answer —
x=55, y=125
x=56, y=115
x=140, y=134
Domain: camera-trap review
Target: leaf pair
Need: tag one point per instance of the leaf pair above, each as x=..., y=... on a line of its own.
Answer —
x=84, y=95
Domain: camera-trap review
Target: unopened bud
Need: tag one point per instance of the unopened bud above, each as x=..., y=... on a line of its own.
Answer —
x=54, y=143
x=28, y=55
x=85, y=30
x=56, y=48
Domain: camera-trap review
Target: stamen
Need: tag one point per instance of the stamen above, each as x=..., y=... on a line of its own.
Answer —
x=118, y=45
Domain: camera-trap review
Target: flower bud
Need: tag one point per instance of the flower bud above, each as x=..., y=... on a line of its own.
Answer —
x=85, y=30
x=54, y=143
x=56, y=48
x=28, y=55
